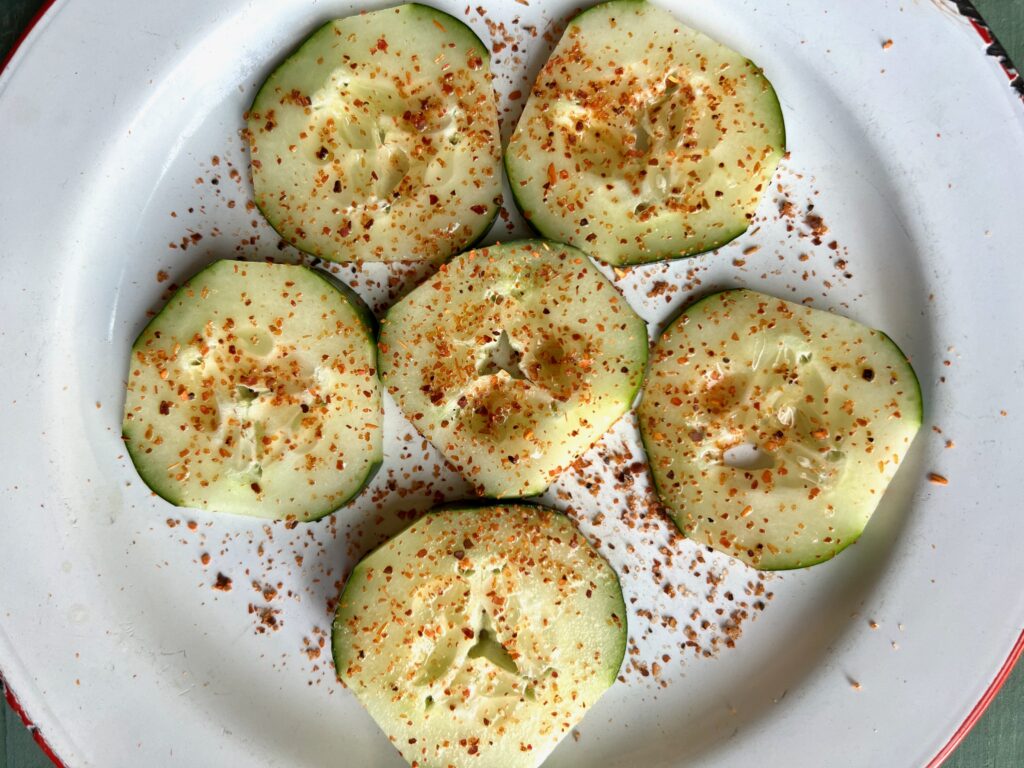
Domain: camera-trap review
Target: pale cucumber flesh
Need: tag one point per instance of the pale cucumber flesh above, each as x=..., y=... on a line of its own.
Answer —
x=773, y=429
x=377, y=140
x=643, y=139
x=255, y=392
x=513, y=360
x=480, y=636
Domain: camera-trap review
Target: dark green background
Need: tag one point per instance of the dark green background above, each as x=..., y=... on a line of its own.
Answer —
x=998, y=739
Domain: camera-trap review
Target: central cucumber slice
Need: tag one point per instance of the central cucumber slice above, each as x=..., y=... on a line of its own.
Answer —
x=255, y=392
x=377, y=140
x=773, y=429
x=480, y=637
x=643, y=139
x=513, y=360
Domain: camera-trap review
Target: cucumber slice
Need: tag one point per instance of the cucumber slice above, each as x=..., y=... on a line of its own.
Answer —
x=255, y=392
x=773, y=429
x=377, y=140
x=513, y=360
x=643, y=139
x=480, y=637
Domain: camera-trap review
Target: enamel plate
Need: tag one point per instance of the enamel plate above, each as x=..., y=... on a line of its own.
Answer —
x=136, y=633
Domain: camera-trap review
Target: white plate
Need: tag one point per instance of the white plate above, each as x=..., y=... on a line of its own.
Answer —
x=110, y=633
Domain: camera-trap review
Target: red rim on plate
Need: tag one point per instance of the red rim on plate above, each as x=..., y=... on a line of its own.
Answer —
x=979, y=709
x=1016, y=81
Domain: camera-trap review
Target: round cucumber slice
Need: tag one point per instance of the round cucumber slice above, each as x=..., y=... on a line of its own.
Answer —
x=643, y=139
x=480, y=637
x=773, y=429
x=255, y=392
x=377, y=140
x=513, y=360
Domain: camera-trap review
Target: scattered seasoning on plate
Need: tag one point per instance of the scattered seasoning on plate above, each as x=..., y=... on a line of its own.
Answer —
x=223, y=583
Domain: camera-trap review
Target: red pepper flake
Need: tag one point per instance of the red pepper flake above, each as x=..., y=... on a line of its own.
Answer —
x=887, y=44
x=552, y=174
x=469, y=633
x=223, y=583
x=659, y=288
x=816, y=224
x=382, y=45
x=165, y=407
x=205, y=558
x=478, y=209
x=256, y=488
x=936, y=479
x=162, y=276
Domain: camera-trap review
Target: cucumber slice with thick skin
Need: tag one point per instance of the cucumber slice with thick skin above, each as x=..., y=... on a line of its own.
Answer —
x=643, y=139
x=513, y=360
x=480, y=637
x=773, y=429
x=255, y=392
x=377, y=140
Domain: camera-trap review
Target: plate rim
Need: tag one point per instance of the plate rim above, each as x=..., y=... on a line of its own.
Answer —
x=1014, y=79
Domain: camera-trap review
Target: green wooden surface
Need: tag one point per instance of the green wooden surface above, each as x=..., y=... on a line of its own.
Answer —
x=998, y=739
